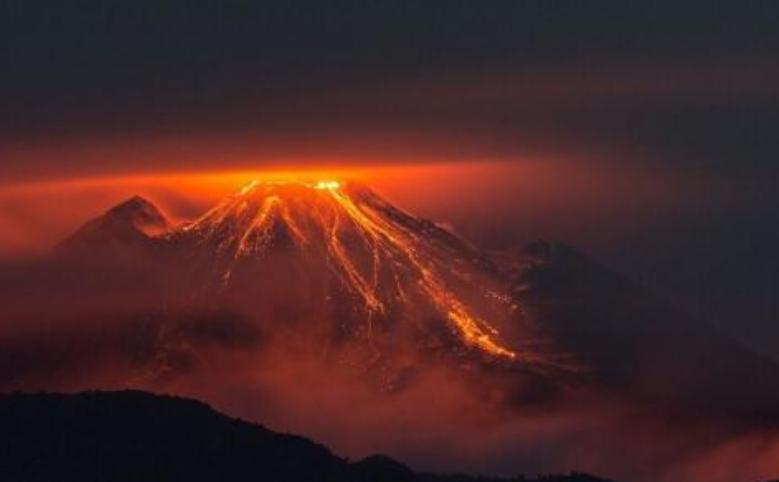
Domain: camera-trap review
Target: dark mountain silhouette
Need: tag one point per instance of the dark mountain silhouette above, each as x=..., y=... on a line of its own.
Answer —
x=635, y=343
x=132, y=436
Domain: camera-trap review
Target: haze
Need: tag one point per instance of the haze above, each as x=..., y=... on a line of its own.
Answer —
x=643, y=135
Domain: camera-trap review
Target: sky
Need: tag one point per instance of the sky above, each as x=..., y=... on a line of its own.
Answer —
x=643, y=134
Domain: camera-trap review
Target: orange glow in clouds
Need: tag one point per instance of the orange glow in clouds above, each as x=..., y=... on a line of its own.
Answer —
x=37, y=213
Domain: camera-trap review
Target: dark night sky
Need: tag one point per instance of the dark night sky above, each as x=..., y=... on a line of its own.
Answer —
x=686, y=87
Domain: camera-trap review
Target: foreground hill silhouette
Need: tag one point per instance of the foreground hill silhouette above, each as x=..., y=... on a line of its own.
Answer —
x=134, y=436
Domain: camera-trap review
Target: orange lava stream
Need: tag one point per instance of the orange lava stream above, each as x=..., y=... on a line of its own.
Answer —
x=474, y=331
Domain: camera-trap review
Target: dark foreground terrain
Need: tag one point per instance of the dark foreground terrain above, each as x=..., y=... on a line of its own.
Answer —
x=138, y=436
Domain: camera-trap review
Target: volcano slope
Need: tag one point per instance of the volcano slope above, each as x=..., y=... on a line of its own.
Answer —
x=320, y=308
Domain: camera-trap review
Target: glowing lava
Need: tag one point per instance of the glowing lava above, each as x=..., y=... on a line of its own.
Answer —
x=363, y=239
x=331, y=185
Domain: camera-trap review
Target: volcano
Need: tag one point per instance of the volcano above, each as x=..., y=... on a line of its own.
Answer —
x=333, y=268
x=345, y=239
x=297, y=302
x=337, y=258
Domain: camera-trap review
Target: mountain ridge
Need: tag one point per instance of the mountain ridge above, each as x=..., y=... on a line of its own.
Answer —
x=356, y=236
x=134, y=435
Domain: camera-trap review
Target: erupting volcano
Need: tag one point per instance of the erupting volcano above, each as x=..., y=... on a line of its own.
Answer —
x=379, y=254
x=295, y=302
x=326, y=264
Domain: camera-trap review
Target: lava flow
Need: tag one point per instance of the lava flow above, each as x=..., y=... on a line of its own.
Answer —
x=378, y=252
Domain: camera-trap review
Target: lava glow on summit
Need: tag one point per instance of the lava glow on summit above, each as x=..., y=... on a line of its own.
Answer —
x=328, y=185
x=379, y=253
